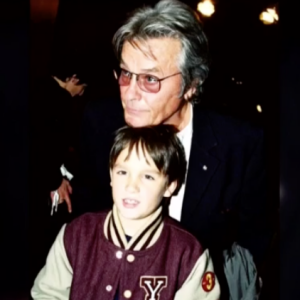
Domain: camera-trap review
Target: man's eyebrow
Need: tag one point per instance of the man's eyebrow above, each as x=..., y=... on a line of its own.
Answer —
x=153, y=70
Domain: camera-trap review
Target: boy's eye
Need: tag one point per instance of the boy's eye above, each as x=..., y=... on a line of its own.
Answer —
x=149, y=177
x=121, y=172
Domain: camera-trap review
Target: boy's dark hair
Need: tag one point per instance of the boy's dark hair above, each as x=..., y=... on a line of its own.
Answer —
x=162, y=145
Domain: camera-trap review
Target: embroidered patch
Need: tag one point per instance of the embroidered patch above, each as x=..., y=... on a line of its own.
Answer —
x=208, y=281
x=153, y=285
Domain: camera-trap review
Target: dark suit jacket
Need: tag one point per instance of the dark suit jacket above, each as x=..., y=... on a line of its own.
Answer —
x=225, y=196
x=49, y=123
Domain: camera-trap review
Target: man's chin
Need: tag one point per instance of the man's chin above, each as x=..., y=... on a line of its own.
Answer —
x=135, y=122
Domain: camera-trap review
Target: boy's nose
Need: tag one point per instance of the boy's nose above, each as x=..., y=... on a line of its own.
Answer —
x=132, y=185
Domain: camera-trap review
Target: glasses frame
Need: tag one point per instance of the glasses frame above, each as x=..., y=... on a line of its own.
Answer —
x=117, y=73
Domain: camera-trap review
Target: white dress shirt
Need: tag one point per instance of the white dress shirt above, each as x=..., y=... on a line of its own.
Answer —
x=185, y=137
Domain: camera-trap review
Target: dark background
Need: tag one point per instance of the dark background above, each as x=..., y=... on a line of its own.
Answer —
x=59, y=37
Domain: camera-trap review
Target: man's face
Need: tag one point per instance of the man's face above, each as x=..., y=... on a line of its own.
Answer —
x=137, y=185
x=142, y=108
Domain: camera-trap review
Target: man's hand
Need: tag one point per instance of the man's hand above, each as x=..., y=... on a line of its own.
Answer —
x=64, y=192
x=72, y=86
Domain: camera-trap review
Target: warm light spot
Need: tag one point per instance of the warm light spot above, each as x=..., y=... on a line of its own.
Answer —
x=206, y=8
x=273, y=13
x=258, y=107
x=269, y=16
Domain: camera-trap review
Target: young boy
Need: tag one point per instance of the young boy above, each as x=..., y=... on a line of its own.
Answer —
x=133, y=251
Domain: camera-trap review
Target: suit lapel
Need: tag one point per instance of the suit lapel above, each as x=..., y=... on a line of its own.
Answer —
x=202, y=165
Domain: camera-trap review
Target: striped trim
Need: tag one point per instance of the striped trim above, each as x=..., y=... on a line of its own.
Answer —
x=150, y=238
x=116, y=233
x=146, y=234
x=106, y=225
x=143, y=239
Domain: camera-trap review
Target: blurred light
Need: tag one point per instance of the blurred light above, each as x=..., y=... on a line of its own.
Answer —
x=232, y=78
x=266, y=18
x=206, y=8
x=272, y=12
x=269, y=16
x=258, y=107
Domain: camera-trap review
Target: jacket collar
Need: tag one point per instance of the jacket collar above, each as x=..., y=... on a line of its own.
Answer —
x=145, y=237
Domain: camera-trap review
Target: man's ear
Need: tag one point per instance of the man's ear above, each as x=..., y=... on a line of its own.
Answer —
x=115, y=74
x=170, y=189
x=188, y=94
x=191, y=91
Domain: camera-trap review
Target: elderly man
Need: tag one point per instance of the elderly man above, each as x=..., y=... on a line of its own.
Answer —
x=163, y=62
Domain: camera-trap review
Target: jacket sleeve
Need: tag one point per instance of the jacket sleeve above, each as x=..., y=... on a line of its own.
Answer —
x=55, y=278
x=201, y=283
x=83, y=182
x=57, y=133
x=92, y=179
x=52, y=130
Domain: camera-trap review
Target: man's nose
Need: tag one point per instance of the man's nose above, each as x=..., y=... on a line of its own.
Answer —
x=134, y=91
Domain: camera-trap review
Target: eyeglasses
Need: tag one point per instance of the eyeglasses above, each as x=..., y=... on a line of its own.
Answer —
x=148, y=83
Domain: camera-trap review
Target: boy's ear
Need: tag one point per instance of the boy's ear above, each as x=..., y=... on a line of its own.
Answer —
x=170, y=189
x=110, y=174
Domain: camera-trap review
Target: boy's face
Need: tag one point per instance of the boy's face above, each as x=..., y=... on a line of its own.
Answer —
x=137, y=185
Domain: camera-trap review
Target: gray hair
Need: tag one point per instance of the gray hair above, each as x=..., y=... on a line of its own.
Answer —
x=171, y=19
